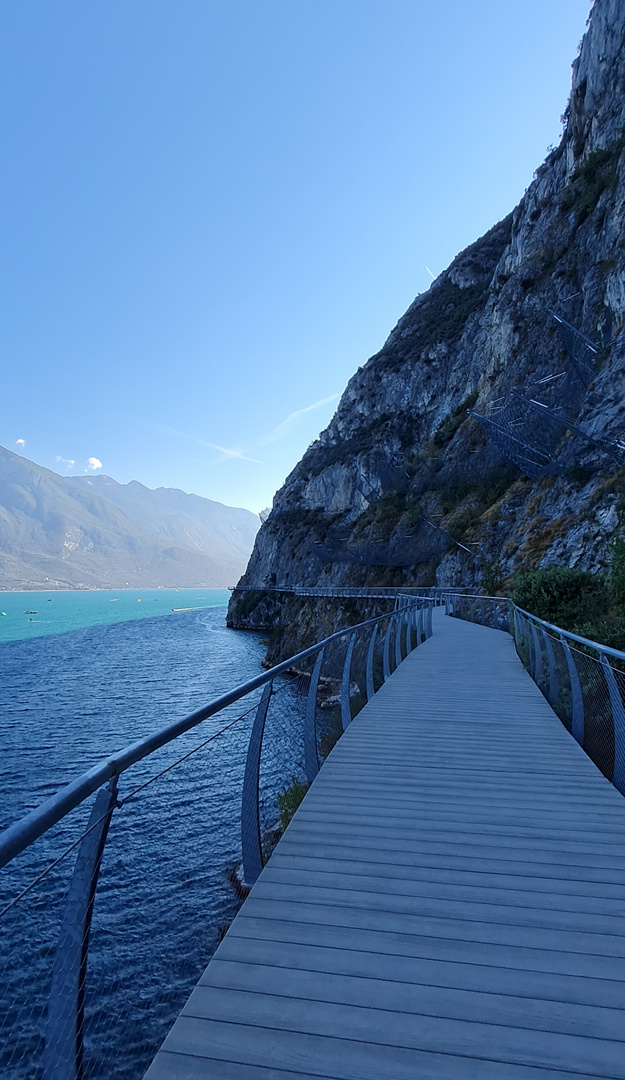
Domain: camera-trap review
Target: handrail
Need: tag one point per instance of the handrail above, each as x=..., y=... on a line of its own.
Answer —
x=60, y=1023
x=605, y=649
x=365, y=591
x=588, y=642
x=26, y=830
x=583, y=688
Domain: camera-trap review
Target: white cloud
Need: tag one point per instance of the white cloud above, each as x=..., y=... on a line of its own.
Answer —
x=283, y=428
x=93, y=464
x=20, y=442
x=67, y=462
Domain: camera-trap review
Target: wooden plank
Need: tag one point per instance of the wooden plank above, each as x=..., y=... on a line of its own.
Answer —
x=442, y=924
x=487, y=894
x=365, y=863
x=473, y=1039
x=335, y=1059
x=524, y=957
x=414, y=998
x=398, y=967
x=514, y=913
x=448, y=902
x=478, y=838
x=509, y=821
x=168, y=1066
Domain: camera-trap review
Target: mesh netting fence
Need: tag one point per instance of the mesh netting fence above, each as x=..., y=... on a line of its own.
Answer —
x=584, y=685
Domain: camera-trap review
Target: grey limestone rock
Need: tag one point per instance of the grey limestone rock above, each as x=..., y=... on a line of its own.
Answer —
x=402, y=467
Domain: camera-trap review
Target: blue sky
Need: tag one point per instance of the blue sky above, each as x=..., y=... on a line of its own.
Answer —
x=213, y=212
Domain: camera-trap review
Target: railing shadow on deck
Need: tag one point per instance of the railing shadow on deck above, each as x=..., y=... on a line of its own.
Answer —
x=112, y=888
x=583, y=681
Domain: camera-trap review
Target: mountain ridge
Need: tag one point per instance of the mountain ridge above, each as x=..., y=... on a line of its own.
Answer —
x=64, y=532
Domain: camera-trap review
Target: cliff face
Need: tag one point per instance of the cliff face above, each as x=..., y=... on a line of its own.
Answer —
x=404, y=486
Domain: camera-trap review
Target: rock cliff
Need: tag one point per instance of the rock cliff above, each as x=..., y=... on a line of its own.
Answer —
x=406, y=485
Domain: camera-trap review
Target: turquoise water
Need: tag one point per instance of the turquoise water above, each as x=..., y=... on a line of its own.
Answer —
x=27, y=615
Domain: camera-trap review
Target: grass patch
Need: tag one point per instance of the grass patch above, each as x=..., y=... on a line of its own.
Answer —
x=598, y=173
x=289, y=800
x=442, y=315
x=453, y=420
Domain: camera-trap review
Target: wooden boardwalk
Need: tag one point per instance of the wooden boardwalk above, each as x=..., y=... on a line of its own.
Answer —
x=448, y=902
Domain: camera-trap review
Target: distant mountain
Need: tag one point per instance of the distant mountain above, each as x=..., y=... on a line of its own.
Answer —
x=86, y=532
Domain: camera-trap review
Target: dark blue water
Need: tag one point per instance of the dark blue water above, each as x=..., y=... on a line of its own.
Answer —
x=165, y=891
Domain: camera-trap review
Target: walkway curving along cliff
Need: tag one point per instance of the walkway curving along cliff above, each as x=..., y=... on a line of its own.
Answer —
x=448, y=901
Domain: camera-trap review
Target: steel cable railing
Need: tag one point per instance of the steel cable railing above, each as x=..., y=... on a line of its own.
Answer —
x=113, y=890
x=583, y=681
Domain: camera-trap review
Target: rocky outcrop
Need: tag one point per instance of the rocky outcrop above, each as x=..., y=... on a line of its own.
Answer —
x=404, y=486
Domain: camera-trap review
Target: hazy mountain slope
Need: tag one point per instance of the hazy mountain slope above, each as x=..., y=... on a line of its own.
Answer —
x=221, y=532
x=56, y=533
x=403, y=485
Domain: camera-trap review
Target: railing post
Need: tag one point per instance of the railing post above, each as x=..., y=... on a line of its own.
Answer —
x=386, y=660
x=251, y=846
x=346, y=714
x=618, y=719
x=429, y=621
x=369, y=675
x=554, y=689
x=63, y=1054
x=577, y=700
x=409, y=626
x=537, y=673
x=399, y=620
x=311, y=757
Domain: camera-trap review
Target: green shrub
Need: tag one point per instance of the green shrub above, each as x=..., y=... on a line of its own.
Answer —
x=453, y=420
x=289, y=800
x=440, y=318
x=492, y=577
x=609, y=631
x=598, y=173
x=273, y=638
x=566, y=597
x=577, y=474
x=617, y=572
x=459, y=527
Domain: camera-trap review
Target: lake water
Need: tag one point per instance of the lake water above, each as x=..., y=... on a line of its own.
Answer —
x=27, y=615
x=66, y=700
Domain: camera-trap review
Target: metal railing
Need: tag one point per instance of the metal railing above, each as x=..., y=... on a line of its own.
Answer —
x=583, y=681
x=367, y=592
x=92, y=887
